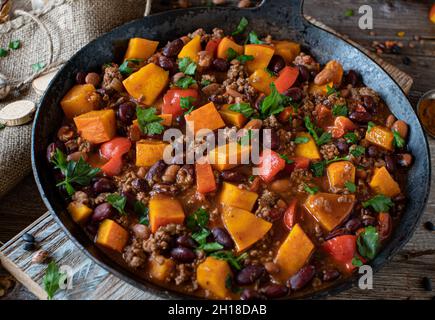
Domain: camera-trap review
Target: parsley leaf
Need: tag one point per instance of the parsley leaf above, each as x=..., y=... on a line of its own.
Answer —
x=351, y=137
x=230, y=258
x=185, y=82
x=3, y=53
x=38, y=66
x=270, y=72
x=368, y=242
x=198, y=219
x=201, y=237
x=52, y=279
x=245, y=139
x=287, y=160
x=272, y=104
x=230, y=285
x=149, y=122
x=79, y=172
x=330, y=90
x=325, y=136
x=370, y=126
x=244, y=58
x=379, y=203
x=126, y=69
x=118, y=202
x=231, y=54
x=15, y=45
x=358, y=151
x=187, y=66
x=350, y=186
x=243, y=108
x=2, y=126
x=318, y=168
x=311, y=190
x=398, y=141
x=241, y=26
x=349, y=13
x=253, y=38
x=302, y=140
x=143, y=213
x=357, y=262
x=340, y=110
x=211, y=247
x=186, y=103
x=205, y=83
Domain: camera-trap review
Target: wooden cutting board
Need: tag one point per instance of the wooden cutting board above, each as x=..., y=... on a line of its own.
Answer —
x=89, y=281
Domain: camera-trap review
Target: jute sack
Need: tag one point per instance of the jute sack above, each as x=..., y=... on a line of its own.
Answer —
x=71, y=24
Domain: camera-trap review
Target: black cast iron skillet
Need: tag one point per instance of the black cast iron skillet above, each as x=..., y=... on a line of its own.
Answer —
x=283, y=20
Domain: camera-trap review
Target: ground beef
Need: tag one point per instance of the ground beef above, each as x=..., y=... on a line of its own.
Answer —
x=329, y=151
x=134, y=255
x=80, y=197
x=237, y=80
x=299, y=178
x=266, y=202
x=184, y=272
x=271, y=123
x=124, y=180
x=263, y=251
x=307, y=61
x=161, y=239
x=286, y=145
x=185, y=177
x=217, y=33
x=111, y=77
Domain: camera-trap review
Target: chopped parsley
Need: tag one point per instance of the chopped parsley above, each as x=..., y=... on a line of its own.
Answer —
x=379, y=203
x=318, y=168
x=398, y=141
x=230, y=258
x=230, y=285
x=15, y=45
x=205, y=83
x=349, y=13
x=185, y=82
x=118, y=202
x=244, y=108
x=198, y=219
x=286, y=159
x=126, y=69
x=186, y=103
x=340, y=110
x=143, y=213
x=187, y=66
x=52, y=279
x=302, y=140
x=311, y=190
x=241, y=27
x=272, y=104
x=357, y=262
x=358, y=151
x=245, y=139
x=370, y=126
x=324, y=138
x=368, y=242
x=253, y=38
x=331, y=90
x=3, y=52
x=350, y=186
x=232, y=54
x=38, y=66
x=149, y=122
x=270, y=72
x=351, y=137
x=244, y=58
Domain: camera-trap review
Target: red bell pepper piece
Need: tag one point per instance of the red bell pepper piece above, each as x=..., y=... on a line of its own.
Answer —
x=298, y=163
x=287, y=77
x=212, y=46
x=171, y=100
x=115, y=148
x=385, y=225
x=342, y=249
x=270, y=164
x=112, y=167
x=205, y=181
x=290, y=214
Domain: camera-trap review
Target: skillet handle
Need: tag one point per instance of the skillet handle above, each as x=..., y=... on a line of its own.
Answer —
x=293, y=7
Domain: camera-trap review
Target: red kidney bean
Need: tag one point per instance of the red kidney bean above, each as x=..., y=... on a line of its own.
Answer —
x=294, y=93
x=155, y=172
x=353, y=224
x=103, y=185
x=126, y=113
x=221, y=64
x=93, y=78
x=222, y=237
x=304, y=74
x=103, y=211
x=342, y=146
x=330, y=275
x=274, y=291
x=183, y=255
x=390, y=163
x=232, y=176
x=360, y=117
x=173, y=48
x=218, y=99
x=51, y=149
x=404, y=159
x=181, y=121
x=250, y=274
x=353, y=78
x=302, y=277
x=167, y=64
x=131, y=199
x=81, y=77
x=140, y=185
x=186, y=241
x=369, y=103
x=141, y=231
x=276, y=64
x=251, y=294
x=372, y=151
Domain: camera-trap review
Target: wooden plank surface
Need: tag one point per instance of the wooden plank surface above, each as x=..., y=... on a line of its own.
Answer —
x=401, y=279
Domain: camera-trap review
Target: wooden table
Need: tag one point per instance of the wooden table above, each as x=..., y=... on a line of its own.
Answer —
x=401, y=278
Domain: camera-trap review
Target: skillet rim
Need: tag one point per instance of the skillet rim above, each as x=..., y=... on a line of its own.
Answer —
x=165, y=293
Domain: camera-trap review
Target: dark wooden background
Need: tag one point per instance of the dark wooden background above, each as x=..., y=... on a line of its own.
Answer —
x=23, y=205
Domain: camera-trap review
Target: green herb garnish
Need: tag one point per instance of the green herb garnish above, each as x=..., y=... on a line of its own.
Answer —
x=398, y=141
x=241, y=26
x=272, y=104
x=339, y=110
x=38, y=66
x=187, y=66
x=324, y=138
x=302, y=140
x=3, y=52
x=243, y=108
x=368, y=242
x=230, y=258
x=186, y=103
x=253, y=38
x=185, y=82
x=330, y=90
x=349, y=13
x=52, y=279
x=244, y=58
x=318, y=168
x=198, y=219
x=357, y=262
x=311, y=190
x=149, y=122
x=231, y=54
x=358, y=151
x=351, y=137
x=125, y=68
x=286, y=159
x=143, y=212
x=350, y=186
x=118, y=202
x=379, y=203
x=231, y=286
x=15, y=45
x=205, y=83
x=370, y=126
x=246, y=138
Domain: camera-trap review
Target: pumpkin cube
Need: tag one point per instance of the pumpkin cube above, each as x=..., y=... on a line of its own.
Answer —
x=383, y=183
x=97, y=126
x=149, y=152
x=319, y=90
x=381, y=136
x=307, y=150
x=329, y=209
x=229, y=156
x=232, y=117
x=339, y=173
x=160, y=268
x=79, y=99
x=112, y=236
x=206, y=117
x=212, y=274
x=262, y=55
x=164, y=210
x=244, y=227
x=79, y=212
x=261, y=80
x=139, y=48
x=233, y=196
x=225, y=44
x=191, y=49
x=147, y=83
x=294, y=253
x=287, y=49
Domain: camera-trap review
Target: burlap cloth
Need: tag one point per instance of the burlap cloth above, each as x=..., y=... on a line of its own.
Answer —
x=72, y=24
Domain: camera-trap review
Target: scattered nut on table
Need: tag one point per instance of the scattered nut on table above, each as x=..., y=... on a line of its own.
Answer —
x=40, y=257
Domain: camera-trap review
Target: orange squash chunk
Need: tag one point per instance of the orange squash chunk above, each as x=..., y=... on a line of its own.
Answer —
x=229, y=156
x=381, y=136
x=262, y=55
x=80, y=99
x=383, y=183
x=315, y=89
x=232, y=117
x=160, y=268
x=191, y=49
x=97, y=126
x=212, y=274
x=224, y=45
x=149, y=152
x=79, y=212
x=261, y=80
x=287, y=49
x=112, y=236
x=329, y=209
x=147, y=83
x=339, y=173
x=244, y=227
x=139, y=48
x=164, y=210
x=233, y=196
x=206, y=117
x=294, y=253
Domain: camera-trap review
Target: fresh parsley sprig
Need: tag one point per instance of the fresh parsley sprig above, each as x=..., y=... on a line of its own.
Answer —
x=253, y=38
x=52, y=279
x=186, y=103
x=129, y=66
x=185, y=82
x=232, y=54
x=187, y=66
x=398, y=141
x=118, y=202
x=149, y=122
x=324, y=137
x=368, y=242
x=229, y=256
x=379, y=203
x=242, y=107
x=241, y=26
x=340, y=110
